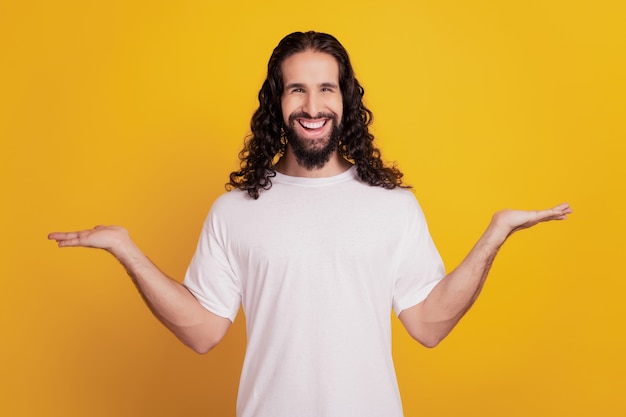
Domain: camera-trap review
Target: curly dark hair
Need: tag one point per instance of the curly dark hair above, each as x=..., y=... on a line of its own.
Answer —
x=267, y=142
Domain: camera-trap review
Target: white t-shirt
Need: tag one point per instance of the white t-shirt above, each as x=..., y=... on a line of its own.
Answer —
x=318, y=264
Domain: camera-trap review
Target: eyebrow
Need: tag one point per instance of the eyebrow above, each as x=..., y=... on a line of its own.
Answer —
x=301, y=85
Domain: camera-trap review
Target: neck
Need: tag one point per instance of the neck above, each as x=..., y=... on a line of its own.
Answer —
x=289, y=165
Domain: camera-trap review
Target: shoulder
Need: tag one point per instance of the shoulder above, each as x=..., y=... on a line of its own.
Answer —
x=227, y=204
x=230, y=198
x=401, y=197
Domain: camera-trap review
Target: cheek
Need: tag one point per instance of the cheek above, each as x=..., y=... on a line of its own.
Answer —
x=284, y=107
x=339, y=111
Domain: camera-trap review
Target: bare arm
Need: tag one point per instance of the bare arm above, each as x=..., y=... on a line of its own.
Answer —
x=168, y=300
x=431, y=320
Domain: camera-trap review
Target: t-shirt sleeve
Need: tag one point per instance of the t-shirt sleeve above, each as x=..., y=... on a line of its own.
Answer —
x=210, y=276
x=420, y=267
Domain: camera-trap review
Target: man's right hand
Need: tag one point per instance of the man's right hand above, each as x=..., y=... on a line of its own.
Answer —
x=101, y=237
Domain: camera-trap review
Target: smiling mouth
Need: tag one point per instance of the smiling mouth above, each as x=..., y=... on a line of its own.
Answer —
x=309, y=125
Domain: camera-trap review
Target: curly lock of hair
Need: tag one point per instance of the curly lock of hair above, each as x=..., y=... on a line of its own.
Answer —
x=266, y=142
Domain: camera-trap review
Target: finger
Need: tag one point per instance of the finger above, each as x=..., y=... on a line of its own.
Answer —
x=61, y=235
x=563, y=208
x=68, y=238
x=559, y=212
x=69, y=242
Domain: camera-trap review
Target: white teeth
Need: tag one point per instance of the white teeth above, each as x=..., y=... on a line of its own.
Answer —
x=312, y=125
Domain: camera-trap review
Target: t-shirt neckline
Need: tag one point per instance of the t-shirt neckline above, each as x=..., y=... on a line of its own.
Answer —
x=348, y=174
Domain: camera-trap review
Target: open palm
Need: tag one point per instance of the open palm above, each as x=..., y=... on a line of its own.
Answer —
x=514, y=220
x=102, y=237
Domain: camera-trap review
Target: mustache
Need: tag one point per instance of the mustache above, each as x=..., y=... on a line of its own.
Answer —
x=305, y=115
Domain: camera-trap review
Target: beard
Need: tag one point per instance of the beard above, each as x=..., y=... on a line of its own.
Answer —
x=313, y=154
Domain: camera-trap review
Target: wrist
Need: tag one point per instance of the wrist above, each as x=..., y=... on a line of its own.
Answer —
x=496, y=234
x=124, y=249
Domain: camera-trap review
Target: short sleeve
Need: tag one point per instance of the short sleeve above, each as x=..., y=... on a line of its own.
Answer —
x=210, y=276
x=419, y=265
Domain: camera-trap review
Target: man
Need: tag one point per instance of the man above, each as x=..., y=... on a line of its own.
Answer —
x=319, y=240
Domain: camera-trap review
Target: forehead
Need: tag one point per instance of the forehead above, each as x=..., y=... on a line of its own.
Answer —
x=310, y=67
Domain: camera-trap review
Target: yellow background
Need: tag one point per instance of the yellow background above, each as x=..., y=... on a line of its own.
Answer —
x=133, y=113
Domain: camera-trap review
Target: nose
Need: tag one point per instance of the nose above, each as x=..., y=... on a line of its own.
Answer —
x=312, y=104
